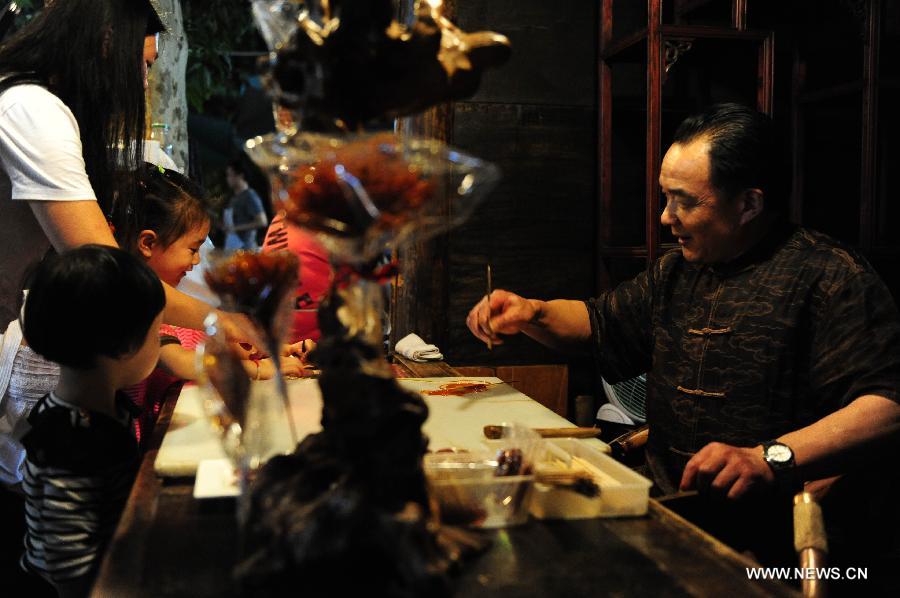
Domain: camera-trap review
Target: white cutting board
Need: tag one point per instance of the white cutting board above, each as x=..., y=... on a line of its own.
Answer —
x=191, y=438
x=452, y=421
x=459, y=421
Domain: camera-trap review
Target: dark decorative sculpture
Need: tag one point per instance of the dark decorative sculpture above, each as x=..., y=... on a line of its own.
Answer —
x=348, y=62
x=348, y=511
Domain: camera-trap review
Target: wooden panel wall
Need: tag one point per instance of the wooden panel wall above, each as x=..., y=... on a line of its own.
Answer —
x=536, y=118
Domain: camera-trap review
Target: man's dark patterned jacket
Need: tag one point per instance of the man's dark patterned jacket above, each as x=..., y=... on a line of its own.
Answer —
x=742, y=353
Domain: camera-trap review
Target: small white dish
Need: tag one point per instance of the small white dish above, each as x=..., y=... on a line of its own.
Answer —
x=216, y=478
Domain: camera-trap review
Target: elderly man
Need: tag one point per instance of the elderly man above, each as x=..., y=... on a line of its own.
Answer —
x=772, y=351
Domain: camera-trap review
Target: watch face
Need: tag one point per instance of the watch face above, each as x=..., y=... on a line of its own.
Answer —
x=779, y=453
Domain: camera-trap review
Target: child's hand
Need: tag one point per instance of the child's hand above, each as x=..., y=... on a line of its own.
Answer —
x=293, y=367
x=242, y=350
x=259, y=366
x=261, y=369
x=264, y=369
x=237, y=327
x=248, y=351
x=299, y=349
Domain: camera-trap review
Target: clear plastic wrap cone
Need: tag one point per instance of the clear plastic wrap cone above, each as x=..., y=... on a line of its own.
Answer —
x=252, y=416
x=276, y=19
x=365, y=193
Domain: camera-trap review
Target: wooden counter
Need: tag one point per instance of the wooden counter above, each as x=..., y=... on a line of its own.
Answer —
x=168, y=544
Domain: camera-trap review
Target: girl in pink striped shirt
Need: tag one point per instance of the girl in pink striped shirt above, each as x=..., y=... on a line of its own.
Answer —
x=165, y=223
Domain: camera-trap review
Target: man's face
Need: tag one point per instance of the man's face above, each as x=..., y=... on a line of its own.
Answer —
x=704, y=223
x=151, y=51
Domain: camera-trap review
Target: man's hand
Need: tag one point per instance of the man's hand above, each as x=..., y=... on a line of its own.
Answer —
x=725, y=470
x=506, y=314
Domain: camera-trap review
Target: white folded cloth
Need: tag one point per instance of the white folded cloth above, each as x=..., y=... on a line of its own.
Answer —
x=413, y=347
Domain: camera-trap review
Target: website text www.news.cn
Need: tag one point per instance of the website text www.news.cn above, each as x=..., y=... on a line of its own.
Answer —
x=801, y=573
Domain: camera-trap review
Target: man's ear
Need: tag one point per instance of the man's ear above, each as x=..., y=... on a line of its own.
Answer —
x=146, y=242
x=752, y=203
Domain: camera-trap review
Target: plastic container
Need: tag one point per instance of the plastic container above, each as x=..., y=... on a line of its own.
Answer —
x=623, y=492
x=468, y=492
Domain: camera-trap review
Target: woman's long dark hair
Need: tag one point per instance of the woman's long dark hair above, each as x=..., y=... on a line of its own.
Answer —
x=89, y=53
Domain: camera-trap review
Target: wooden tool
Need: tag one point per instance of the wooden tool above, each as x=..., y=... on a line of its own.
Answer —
x=581, y=482
x=629, y=441
x=490, y=289
x=810, y=541
x=496, y=432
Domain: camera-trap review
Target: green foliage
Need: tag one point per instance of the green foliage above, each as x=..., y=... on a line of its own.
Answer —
x=28, y=9
x=28, y=6
x=214, y=28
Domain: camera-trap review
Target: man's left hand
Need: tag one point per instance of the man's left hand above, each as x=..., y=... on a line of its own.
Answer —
x=725, y=470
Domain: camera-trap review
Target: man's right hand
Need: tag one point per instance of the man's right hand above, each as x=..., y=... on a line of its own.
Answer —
x=506, y=314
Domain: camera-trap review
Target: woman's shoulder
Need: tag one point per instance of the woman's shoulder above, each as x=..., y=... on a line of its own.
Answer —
x=29, y=96
x=29, y=108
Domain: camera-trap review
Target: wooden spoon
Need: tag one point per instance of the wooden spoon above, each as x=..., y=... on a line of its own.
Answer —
x=496, y=432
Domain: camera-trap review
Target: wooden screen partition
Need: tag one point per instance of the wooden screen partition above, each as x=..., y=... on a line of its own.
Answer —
x=668, y=60
x=824, y=69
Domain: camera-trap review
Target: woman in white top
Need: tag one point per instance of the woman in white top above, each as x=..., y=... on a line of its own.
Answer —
x=71, y=114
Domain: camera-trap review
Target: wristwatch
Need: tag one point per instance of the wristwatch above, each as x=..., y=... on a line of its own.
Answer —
x=779, y=457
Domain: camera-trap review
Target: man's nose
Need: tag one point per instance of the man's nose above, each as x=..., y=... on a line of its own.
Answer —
x=667, y=218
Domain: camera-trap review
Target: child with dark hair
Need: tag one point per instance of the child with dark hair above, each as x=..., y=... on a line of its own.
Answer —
x=95, y=311
x=165, y=224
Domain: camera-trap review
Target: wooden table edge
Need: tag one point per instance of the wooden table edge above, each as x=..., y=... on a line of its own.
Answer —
x=126, y=548
x=428, y=369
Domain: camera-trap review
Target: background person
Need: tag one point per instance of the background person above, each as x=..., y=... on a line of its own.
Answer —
x=314, y=276
x=244, y=215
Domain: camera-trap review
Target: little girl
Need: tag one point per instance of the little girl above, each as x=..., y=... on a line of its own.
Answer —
x=96, y=312
x=165, y=224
